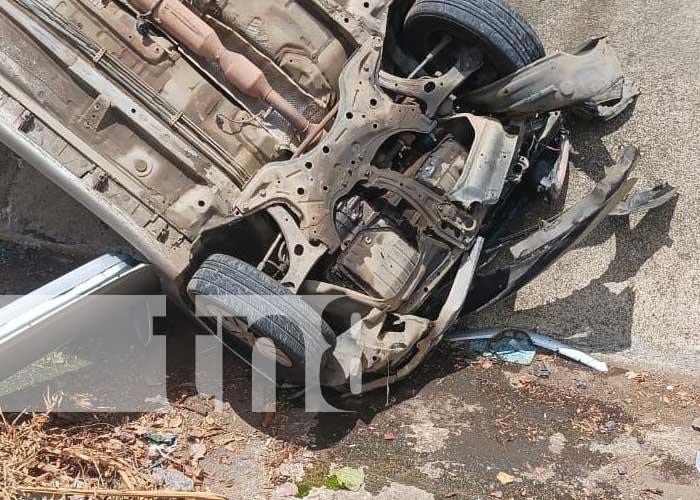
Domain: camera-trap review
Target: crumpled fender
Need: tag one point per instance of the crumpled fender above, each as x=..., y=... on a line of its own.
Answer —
x=590, y=75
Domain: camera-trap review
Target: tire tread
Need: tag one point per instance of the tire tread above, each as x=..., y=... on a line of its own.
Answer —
x=290, y=325
x=496, y=23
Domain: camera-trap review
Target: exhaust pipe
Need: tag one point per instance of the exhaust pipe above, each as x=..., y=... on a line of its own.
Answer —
x=190, y=30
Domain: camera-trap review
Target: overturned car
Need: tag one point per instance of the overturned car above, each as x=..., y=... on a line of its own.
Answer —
x=363, y=153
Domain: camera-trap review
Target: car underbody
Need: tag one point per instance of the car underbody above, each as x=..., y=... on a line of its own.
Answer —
x=312, y=141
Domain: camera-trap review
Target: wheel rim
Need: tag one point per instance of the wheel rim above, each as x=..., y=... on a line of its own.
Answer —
x=241, y=331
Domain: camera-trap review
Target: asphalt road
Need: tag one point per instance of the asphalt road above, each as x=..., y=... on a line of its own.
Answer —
x=631, y=290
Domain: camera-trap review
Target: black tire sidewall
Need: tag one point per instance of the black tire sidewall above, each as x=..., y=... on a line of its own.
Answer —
x=236, y=287
x=508, y=41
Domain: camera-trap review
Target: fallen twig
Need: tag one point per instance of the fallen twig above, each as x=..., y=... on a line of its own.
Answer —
x=121, y=493
x=643, y=466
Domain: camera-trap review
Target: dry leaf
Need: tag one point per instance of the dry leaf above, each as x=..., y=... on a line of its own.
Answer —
x=637, y=377
x=196, y=433
x=224, y=439
x=173, y=421
x=113, y=444
x=127, y=437
x=505, y=478
x=194, y=473
x=267, y=419
x=197, y=452
x=389, y=436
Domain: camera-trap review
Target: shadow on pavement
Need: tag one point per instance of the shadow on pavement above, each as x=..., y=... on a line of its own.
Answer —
x=599, y=316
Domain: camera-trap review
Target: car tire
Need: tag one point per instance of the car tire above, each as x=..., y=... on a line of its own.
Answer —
x=507, y=40
x=233, y=286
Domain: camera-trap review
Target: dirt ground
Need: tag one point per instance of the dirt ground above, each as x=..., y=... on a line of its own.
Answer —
x=464, y=427
x=629, y=294
x=450, y=432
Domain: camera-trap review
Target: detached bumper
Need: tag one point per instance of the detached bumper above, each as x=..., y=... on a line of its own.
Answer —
x=539, y=250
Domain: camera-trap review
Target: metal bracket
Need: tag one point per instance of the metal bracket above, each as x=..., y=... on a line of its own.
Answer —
x=302, y=255
x=490, y=158
x=93, y=116
x=311, y=184
x=441, y=216
x=433, y=91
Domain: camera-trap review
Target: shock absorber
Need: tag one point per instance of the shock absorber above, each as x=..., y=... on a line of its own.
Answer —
x=178, y=21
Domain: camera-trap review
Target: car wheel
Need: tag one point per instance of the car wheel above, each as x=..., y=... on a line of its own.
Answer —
x=507, y=41
x=230, y=287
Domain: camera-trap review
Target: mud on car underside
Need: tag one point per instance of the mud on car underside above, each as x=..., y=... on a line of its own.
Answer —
x=367, y=151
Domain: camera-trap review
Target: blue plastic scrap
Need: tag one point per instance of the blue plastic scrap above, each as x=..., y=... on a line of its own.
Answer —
x=537, y=339
x=509, y=347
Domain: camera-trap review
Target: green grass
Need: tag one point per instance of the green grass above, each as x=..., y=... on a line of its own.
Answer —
x=317, y=477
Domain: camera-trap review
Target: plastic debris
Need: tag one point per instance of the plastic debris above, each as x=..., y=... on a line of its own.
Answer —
x=537, y=339
x=557, y=443
x=511, y=347
x=161, y=445
x=172, y=479
x=641, y=201
x=154, y=451
x=350, y=478
x=697, y=461
x=162, y=438
x=542, y=371
x=610, y=426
